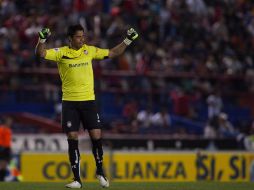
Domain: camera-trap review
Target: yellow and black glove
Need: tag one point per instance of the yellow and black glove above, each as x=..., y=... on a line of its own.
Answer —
x=44, y=34
x=131, y=36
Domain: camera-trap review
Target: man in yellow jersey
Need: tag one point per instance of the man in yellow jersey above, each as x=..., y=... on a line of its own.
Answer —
x=78, y=102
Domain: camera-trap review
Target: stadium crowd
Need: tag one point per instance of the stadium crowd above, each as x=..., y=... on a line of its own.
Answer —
x=198, y=36
x=181, y=39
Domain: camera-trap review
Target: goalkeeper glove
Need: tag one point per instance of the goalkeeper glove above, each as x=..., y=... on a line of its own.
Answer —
x=44, y=34
x=131, y=36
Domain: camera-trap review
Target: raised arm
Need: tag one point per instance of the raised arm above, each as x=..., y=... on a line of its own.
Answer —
x=120, y=48
x=40, y=49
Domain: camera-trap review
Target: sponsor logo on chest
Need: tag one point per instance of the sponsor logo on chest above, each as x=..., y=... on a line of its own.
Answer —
x=73, y=65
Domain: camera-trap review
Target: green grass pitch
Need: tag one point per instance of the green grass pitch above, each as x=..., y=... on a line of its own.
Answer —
x=133, y=186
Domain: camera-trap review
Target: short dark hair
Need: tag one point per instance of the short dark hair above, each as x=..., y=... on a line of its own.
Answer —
x=73, y=29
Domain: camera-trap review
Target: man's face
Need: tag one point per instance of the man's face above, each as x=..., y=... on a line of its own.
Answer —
x=78, y=39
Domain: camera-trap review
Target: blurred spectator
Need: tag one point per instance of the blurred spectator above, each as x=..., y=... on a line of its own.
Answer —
x=161, y=118
x=211, y=127
x=58, y=112
x=130, y=111
x=197, y=7
x=144, y=118
x=226, y=129
x=249, y=140
x=118, y=127
x=215, y=104
x=181, y=103
x=5, y=146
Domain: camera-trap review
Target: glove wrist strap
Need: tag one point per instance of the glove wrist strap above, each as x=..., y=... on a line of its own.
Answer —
x=42, y=40
x=127, y=41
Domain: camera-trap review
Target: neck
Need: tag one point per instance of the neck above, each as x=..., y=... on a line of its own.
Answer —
x=72, y=47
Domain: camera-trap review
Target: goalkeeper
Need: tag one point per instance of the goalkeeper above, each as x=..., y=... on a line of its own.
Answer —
x=74, y=63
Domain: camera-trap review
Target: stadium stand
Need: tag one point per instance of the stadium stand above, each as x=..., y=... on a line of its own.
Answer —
x=188, y=49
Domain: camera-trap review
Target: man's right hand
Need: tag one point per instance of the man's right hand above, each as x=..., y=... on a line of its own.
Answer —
x=44, y=34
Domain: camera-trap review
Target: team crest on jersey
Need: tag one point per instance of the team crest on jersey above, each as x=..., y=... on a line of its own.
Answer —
x=85, y=52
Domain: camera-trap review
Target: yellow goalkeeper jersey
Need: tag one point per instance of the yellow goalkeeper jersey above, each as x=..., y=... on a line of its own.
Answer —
x=76, y=71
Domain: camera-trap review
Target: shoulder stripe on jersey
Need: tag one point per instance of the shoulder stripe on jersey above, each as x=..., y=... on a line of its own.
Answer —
x=65, y=57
